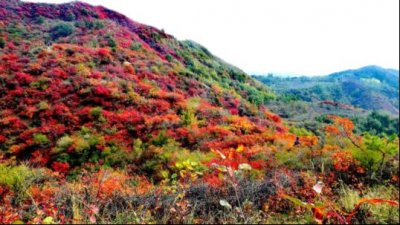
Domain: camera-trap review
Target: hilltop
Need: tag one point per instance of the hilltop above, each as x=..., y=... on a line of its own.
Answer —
x=369, y=88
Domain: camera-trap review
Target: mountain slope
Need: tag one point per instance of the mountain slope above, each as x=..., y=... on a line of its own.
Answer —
x=370, y=88
x=105, y=120
x=82, y=84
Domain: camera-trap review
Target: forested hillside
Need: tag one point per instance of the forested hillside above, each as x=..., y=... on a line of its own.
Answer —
x=370, y=88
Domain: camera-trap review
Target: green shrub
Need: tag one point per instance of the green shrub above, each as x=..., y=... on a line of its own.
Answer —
x=300, y=131
x=188, y=118
x=63, y=143
x=19, y=178
x=96, y=112
x=40, y=20
x=161, y=139
x=116, y=156
x=43, y=105
x=14, y=177
x=155, y=36
x=169, y=58
x=136, y=46
x=377, y=123
x=138, y=148
x=70, y=16
x=292, y=159
x=98, y=25
x=40, y=139
x=61, y=30
x=111, y=42
x=376, y=152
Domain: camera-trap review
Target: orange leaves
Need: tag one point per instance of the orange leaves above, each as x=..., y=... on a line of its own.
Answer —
x=318, y=215
x=16, y=149
x=285, y=138
x=340, y=125
x=8, y=213
x=342, y=160
x=309, y=140
x=288, y=140
x=376, y=201
x=42, y=195
x=160, y=120
x=213, y=180
x=9, y=217
x=370, y=201
x=143, y=185
x=241, y=123
x=43, y=199
x=109, y=185
x=229, y=160
x=332, y=130
x=106, y=183
x=346, y=123
x=343, y=128
x=232, y=160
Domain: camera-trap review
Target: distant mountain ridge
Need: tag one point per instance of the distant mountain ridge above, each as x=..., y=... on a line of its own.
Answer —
x=389, y=76
x=370, y=87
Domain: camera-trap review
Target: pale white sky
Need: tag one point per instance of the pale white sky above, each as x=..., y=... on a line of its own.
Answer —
x=310, y=37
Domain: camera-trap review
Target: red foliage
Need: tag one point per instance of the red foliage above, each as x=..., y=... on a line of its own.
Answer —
x=100, y=12
x=10, y=57
x=213, y=180
x=101, y=90
x=258, y=164
x=234, y=111
x=59, y=73
x=13, y=122
x=273, y=117
x=2, y=138
x=103, y=52
x=23, y=78
x=40, y=157
x=61, y=167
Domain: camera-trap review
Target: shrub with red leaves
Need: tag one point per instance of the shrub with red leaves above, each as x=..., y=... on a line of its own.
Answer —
x=61, y=167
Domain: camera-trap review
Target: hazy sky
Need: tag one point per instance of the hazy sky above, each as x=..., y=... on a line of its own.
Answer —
x=310, y=37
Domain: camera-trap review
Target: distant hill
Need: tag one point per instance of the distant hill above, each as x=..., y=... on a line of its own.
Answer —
x=369, y=88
